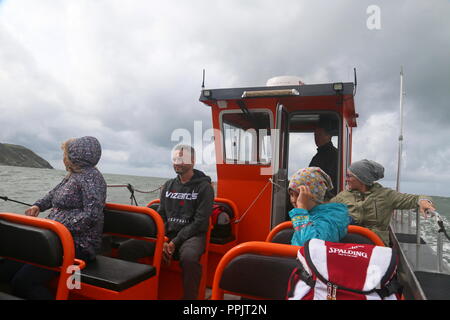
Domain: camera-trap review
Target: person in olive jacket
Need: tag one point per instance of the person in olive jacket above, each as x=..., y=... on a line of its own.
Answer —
x=370, y=204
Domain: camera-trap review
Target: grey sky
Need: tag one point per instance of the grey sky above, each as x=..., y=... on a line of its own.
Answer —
x=129, y=73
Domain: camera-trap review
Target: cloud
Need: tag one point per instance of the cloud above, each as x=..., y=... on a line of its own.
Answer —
x=377, y=140
x=130, y=74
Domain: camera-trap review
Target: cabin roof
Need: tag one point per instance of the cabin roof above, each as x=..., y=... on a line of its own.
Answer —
x=293, y=97
x=307, y=90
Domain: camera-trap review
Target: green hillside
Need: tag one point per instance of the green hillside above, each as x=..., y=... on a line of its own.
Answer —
x=19, y=156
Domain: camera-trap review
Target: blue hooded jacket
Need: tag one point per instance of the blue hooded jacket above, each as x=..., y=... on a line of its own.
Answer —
x=328, y=222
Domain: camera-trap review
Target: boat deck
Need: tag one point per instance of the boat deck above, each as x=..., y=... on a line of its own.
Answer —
x=425, y=280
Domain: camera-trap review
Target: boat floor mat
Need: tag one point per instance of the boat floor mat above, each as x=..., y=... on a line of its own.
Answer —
x=408, y=238
x=435, y=285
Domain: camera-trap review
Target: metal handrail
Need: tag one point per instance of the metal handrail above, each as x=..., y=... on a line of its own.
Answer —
x=417, y=226
x=440, y=239
x=440, y=233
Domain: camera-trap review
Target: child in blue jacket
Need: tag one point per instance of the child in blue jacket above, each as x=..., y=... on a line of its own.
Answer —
x=311, y=217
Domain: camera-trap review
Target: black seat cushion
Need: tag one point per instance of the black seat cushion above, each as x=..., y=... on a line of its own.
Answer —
x=258, y=275
x=355, y=238
x=115, y=274
x=154, y=206
x=226, y=207
x=30, y=244
x=5, y=296
x=129, y=223
x=222, y=240
x=284, y=236
x=222, y=233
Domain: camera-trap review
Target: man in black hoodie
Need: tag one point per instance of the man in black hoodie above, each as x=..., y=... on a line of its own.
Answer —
x=186, y=205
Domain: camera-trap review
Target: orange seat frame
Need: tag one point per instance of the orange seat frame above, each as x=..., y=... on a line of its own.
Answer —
x=215, y=251
x=145, y=290
x=68, y=259
x=256, y=247
x=372, y=236
x=171, y=281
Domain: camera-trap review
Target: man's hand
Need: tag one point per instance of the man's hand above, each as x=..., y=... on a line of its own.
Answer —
x=424, y=206
x=33, y=211
x=168, y=250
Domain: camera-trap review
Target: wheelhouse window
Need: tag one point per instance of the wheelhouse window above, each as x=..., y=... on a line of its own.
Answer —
x=247, y=137
x=305, y=150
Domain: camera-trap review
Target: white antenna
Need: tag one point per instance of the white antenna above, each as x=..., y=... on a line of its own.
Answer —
x=400, y=137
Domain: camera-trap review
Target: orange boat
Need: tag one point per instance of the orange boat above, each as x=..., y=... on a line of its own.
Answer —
x=253, y=131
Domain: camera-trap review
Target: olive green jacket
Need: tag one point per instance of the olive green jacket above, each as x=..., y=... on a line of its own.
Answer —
x=373, y=209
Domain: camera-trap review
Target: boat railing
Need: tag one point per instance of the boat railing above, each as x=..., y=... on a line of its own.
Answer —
x=132, y=190
x=406, y=224
x=440, y=239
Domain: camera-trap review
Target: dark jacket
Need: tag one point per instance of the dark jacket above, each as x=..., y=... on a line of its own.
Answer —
x=186, y=208
x=77, y=202
x=327, y=159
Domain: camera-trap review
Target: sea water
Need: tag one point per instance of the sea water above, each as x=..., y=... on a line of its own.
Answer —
x=30, y=184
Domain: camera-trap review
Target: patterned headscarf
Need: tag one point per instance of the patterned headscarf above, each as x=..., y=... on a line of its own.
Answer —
x=314, y=178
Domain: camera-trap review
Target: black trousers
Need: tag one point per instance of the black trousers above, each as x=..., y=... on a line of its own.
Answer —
x=188, y=254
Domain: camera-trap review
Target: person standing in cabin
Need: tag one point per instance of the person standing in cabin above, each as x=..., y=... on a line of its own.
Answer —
x=186, y=204
x=370, y=204
x=77, y=202
x=311, y=217
x=326, y=157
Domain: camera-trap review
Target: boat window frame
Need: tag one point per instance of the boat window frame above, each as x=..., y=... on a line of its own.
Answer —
x=348, y=151
x=339, y=138
x=222, y=132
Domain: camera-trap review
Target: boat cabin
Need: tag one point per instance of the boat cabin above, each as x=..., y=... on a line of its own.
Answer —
x=264, y=134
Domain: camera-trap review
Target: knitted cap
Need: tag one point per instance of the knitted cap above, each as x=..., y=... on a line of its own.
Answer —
x=314, y=178
x=367, y=171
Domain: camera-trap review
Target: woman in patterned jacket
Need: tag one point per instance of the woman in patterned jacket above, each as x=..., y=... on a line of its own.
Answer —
x=77, y=202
